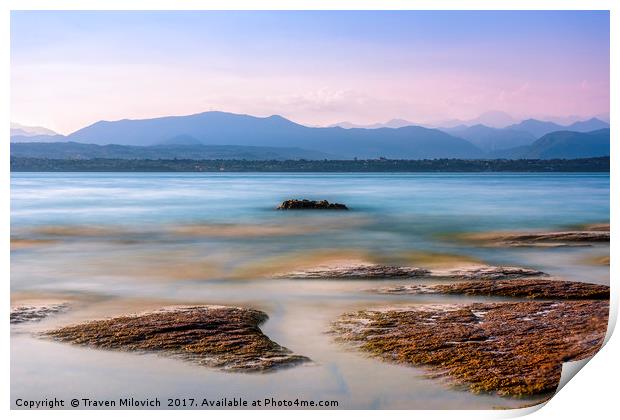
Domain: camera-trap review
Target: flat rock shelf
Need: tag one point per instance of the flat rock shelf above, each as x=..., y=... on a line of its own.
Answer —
x=222, y=337
x=528, y=288
x=355, y=272
x=380, y=271
x=31, y=313
x=511, y=348
x=591, y=234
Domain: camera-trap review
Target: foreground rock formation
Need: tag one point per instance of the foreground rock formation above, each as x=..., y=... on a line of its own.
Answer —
x=222, y=337
x=509, y=348
x=27, y=313
x=528, y=288
x=355, y=271
x=310, y=205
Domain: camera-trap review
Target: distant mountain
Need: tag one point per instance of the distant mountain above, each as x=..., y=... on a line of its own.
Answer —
x=494, y=119
x=540, y=128
x=490, y=139
x=561, y=145
x=27, y=131
x=590, y=125
x=393, y=123
x=71, y=150
x=181, y=139
x=536, y=127
x=570, y=145
x=43, y=138
x=220, y=128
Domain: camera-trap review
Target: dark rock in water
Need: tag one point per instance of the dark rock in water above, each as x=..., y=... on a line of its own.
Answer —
x=310, y=205
x=488, y=272
x=27, y=313
x=227, y=338
x=356, y=271
x=529, y=288
x=512, y=348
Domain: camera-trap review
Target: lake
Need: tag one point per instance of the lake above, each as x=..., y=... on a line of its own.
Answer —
x=114, y=243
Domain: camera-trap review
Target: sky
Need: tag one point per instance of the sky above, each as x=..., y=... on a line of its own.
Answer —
x=70, y=69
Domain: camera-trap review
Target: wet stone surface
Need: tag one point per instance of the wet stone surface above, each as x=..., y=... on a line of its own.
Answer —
x=527, y=288
x=227, y=338
x=356, y=271
x=509, y=348
x=29, y=313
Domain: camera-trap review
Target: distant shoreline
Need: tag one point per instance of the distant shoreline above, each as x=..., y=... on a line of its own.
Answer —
x=599, y=164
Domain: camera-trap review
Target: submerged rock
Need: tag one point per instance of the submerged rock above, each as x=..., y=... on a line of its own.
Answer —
x=310, y=205
x=227, y=338
x=488, y=272
x=356, y=271
x=529, y=288
x=509, y=348
x=603, y=227
x=539, y=239
x=378, y=271
x=27, y=313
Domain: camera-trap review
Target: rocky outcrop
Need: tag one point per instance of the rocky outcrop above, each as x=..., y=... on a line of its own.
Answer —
x=528, y=288
x=487, y=272
x=28, y=313
x=378, y=271
x=602, y=227
x=538, y=239
x=512, y=348
x=227, y=338
x=356, y=272
x=310, y=205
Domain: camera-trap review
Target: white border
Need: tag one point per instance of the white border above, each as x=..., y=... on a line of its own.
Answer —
x=592, y=394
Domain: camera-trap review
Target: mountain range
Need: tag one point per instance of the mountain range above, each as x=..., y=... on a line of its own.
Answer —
x=28, y=131
x=560, y=145
x=221, y=135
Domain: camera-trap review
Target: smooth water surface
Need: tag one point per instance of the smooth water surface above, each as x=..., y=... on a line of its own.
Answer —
x=124, y=242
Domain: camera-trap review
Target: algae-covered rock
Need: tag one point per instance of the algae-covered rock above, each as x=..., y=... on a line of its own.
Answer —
x=488, y=272
x=355, y=271
x=222, y=337
x=512, y=348
x=528, y=288
x=310, y=205
x=538, y=239
x=378, y=271
x=28, y=313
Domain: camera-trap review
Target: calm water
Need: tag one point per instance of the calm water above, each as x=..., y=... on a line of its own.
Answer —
x=116, y=243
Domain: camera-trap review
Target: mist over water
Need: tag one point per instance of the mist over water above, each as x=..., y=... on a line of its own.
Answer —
x=124, y=242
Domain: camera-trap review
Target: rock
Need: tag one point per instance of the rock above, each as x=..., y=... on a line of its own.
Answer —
x=310, y=205
x=27, y=313
x=227, y=338
x=603, y=260
x=603, y=227
x=512, y=348
x=529, y=288
x=487, y=272
x=377, y=271
x=540, y=239
x=355, y=272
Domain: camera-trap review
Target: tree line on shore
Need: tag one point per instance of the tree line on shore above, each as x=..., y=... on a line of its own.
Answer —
x=21, y=164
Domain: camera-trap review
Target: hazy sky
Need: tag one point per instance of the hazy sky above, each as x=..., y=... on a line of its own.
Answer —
x=70, y=69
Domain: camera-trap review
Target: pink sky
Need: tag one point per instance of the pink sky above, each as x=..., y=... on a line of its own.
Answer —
x=70, y=69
